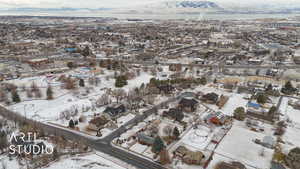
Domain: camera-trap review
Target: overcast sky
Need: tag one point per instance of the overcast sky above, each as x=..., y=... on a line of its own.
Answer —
x=127, y=3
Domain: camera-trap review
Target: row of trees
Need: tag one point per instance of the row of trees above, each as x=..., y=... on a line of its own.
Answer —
x=15, y=97
x=240, y=113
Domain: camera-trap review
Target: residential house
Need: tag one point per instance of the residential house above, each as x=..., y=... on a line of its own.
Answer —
x=145, y=139
x=260, y=112
x=219, y=118
x=268, y=141
x=210, y=98
x=174, y=113
x=222, y=101
x=38, y=62
x=188, y=104
x=229, y=86
x=115, y=110
x=166, y=89
x=189, y=157
x=175, y=67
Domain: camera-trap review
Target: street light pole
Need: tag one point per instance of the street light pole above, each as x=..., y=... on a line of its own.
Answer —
x=25, y=113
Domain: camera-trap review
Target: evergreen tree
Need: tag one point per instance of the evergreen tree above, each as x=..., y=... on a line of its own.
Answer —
x=86, y=51
x=203, y=81
x=176, y=133
x=261, y=98
x=55, y=154
x=71, y=65
x=71, y=123
x=179, y=116
x=81, y=83
x=269, y=87
x=158, y=145
x=239, y=113
x=215, y=81
x=49, y=93
x=121, y=81
x=288, y=85
x=3, y=95
x=288, y=88
x=3, y=141
x=272, y=110
x=16, y=97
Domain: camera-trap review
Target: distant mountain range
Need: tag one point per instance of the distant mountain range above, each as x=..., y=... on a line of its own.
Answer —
x=191, y=4
x=54, y=9
x=176, y=6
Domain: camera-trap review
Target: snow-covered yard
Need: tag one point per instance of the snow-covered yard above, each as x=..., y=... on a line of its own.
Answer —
x=49, y=110
x=92, y=161
x=217, y=158
x=198, y=138
x=84, y=161
x=290, y=136
x=288, y=112
x=238, y=145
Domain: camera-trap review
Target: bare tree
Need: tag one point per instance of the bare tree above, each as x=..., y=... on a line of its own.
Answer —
x=29, y=93
x=3, y=95
x=38, y=93
x=168, y=130
x=69, y=83
x=262, y=152
x=91, y=81
x=119, y=94
x=133, y=99
x=103, y=100
x=3, y=165
x=33, y=87
x=138, y=72
x=97, y=81
x=23, y=88
x=150, y=99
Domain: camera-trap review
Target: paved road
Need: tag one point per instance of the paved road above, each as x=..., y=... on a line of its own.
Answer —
x=151, y=63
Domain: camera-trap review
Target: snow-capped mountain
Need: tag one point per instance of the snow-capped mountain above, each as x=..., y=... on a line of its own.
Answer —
x=196, y=4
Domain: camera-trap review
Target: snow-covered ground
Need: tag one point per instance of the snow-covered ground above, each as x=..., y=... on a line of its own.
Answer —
x=92, y=161
x=291, y=135
x=238, y=145
x=49, y=110
x=289, y=113
x=64, y=100
x=84, y=161
x=198, y=138
x=217, y=158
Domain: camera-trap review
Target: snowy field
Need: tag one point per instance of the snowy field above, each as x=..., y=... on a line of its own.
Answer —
x=85, y=161
x=217, y=158
x=238, y=145
x=92, y=161
x=288, y=112
x=64, y=100
x=291, y=135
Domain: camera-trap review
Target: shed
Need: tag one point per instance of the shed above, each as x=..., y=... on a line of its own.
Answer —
x=268, y=141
